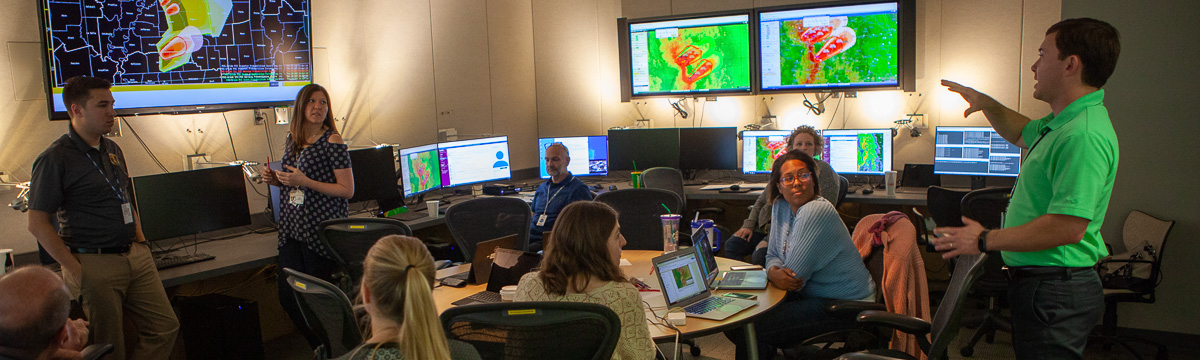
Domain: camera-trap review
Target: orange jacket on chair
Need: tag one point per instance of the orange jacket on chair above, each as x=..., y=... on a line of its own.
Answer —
x=905, y=289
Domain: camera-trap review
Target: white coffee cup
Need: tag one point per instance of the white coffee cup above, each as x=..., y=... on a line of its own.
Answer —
x=5, y=260
x=432, y=205
x=889, y=178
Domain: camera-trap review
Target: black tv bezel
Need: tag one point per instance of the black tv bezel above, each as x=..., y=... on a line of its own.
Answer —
x=43, y=11
x=905, y=38
x=625, y=54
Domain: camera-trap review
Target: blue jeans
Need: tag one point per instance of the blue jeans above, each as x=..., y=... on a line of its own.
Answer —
x=1052, y=316
x=796, y=319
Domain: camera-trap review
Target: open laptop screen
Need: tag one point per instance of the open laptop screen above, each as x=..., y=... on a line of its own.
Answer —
x=708, y=260
x=680, y=276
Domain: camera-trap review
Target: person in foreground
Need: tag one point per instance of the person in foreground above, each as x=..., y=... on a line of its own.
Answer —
x=315, y=185
x=34, y=303
x=1051, y=234
x=545, y=208
x=811, y=256
x=751, y=238
x=581, y=263
x=82, y=181
x=397, y=293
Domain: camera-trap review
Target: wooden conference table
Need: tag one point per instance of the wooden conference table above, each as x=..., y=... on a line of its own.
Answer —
x=641, y=264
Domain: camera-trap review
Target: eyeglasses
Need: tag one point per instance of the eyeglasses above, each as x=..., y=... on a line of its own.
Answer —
x=790, y=179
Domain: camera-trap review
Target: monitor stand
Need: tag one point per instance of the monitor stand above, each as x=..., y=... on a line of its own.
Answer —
x=978, y=182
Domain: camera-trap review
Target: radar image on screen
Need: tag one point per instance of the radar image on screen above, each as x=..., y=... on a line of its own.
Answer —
x=838, y=49
x=424, y=172
x=870, y=152
x=174, y=42
x=769, y=148
x=699, y=58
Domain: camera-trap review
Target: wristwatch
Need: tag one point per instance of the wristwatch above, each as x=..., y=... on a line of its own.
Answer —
x=983, y=241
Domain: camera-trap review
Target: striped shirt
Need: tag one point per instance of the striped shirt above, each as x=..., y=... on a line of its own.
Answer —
x=814, y=243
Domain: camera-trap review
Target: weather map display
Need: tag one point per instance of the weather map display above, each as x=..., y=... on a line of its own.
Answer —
x=830, y=47
x=698, y=55
x=165, y=56
x=420, y=169
x=760, y=148
x=861, y=152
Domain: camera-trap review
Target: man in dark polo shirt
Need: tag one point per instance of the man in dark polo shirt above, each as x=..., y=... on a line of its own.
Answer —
x=82, y=179
x=1051, y=234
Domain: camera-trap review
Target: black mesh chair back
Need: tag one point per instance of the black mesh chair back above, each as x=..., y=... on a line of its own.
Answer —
x=535, y=330
x=947, y=319
x=987, y=206
x=349, y=240
x=842, y=190
x=639, y=212
x=482, y=219
x=327, y=313
x=665, y=178
x=945, y=205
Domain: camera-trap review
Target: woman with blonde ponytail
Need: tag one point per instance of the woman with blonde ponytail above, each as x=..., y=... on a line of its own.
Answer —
x=397, y=293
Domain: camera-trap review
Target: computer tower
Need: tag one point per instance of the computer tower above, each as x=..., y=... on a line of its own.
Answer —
x=216, y=326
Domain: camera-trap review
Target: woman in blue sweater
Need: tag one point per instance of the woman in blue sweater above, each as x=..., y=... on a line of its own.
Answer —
x=811, y=256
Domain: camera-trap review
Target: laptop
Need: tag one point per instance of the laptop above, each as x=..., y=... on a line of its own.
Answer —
x=507, y=268
x=481, y=265
x=729, y=280
x=683, y=285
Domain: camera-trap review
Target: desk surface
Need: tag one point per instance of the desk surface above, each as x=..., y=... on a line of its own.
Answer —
x=878, y=197
x=641, y=260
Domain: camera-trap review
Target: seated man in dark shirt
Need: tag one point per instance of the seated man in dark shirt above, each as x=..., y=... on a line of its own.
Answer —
x=34, y=304
x=554, y=194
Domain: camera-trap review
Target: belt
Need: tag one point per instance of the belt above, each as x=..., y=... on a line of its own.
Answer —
x=104, y=250
x=1017, y=272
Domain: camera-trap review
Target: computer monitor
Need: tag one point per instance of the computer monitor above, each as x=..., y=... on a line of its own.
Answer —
x=640, y=149
x=420, y=170
x=832, y=47
x=589, y=155
x=474, y=161
x=713, y=148
x=760, y=148
x=859, y=151
x=689, y=54
x=191, y=202
x=374, y=173
x=974, y=151
x=178, y=57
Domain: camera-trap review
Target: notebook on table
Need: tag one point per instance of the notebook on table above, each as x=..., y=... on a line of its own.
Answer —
x=684, y=285
x=507, y=268
x=729, y=280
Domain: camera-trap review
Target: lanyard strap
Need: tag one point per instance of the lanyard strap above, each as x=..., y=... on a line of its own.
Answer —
x=1027, y=154
x=551, y=198
x=106, y=179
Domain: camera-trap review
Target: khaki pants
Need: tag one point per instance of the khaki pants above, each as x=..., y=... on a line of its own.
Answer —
x=116, y=284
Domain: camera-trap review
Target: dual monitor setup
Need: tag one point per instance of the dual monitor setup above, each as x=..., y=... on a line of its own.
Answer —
x=795, y=48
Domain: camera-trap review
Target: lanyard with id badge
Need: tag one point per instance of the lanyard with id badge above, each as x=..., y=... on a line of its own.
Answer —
x=541, y=220
x=126, y=207
x=296, y=196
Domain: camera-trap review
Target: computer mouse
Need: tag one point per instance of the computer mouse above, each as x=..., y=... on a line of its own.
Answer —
x=597, y=187
x=612, y=187
x=867, y=190
x=735, y=187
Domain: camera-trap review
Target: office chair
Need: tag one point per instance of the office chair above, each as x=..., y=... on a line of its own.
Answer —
x=845, y=187
x=945, y=205
x=945, y=324
x=638, y=214
x=1133, y=275
x=486, y=218
x=349, y=239
x=672, y=180
x=327, y=313
x=96, y=351
x=987, y=206
x=535, y=330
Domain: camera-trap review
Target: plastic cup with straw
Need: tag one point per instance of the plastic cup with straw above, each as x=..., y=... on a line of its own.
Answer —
x=636, y=177
x=670, y=224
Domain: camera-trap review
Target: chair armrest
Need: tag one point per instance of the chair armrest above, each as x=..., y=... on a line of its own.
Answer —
x=1128, y=261
x=848, y=309
x=96, y=351
x=905, y=323
x=864, y=356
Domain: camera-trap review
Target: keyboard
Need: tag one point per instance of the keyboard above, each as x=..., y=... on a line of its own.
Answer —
x=733, y=278
x=167, y=262
x=482, y=297
x=706, y=305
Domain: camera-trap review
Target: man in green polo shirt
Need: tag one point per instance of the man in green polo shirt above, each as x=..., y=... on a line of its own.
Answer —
x=1051, y=234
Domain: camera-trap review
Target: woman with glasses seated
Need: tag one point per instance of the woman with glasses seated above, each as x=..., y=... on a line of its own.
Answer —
x=811, y=256
x=581, y=262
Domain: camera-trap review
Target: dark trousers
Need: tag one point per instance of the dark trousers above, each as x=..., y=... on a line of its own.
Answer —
x=795, y=319
x=294, y=255
x=1052, y=316
x=738, y=248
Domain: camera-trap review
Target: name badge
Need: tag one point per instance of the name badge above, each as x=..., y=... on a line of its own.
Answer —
x=296, y=197
x=541, y=220
x=127, y=212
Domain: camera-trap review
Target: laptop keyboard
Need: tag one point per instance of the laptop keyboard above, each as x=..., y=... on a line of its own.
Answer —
x=706, y=305
x=733, y=278
x=482, y=296
x=167, y=262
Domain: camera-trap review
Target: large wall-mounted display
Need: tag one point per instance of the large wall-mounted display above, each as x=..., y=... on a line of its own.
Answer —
x=179, y=56
x=682, y=55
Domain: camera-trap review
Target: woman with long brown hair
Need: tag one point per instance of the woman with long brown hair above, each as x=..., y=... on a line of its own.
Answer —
x=581, y=263
x=315, y=185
